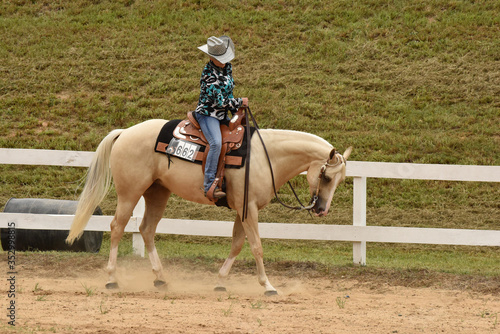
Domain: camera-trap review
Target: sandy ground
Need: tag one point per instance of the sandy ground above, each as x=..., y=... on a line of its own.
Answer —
x=59, y=299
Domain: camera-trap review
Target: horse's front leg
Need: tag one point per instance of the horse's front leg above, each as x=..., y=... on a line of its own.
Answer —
x=236, y=246
x=251, y=228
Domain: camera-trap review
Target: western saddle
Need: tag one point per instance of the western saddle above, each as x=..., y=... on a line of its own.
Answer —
x=232, y=138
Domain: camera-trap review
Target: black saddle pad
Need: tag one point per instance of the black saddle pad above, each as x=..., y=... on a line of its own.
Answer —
x=166, y=134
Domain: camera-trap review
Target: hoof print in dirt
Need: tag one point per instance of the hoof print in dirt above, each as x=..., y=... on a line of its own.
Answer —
x=220, y=289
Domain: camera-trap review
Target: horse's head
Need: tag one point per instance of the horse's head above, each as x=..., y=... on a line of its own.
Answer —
x=324, y=179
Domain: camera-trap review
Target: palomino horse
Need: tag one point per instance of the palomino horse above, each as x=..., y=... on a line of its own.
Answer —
x=128, y=156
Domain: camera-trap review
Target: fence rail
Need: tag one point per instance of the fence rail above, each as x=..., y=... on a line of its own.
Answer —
x=358, y=233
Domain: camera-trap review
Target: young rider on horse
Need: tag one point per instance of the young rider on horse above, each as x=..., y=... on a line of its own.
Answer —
x=216, y=99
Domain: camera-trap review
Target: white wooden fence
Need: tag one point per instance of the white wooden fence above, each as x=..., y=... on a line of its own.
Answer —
x=358, y=233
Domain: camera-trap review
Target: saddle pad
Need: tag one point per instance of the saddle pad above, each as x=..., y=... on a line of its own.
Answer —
x=166, y=134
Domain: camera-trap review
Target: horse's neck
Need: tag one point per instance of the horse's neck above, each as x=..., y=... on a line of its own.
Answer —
x=292, y=152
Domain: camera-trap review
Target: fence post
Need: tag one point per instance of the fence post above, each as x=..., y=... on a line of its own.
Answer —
x=359, y=218
x=137, y=241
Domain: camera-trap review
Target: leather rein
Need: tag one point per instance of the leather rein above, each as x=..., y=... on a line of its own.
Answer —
x=301, y=206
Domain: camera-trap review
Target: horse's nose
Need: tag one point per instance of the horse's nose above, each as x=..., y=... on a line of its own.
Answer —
x=319, y=210
x=321, y=213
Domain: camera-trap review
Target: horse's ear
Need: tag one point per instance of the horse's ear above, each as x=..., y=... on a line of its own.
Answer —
x=332, y=154
x=347, y=152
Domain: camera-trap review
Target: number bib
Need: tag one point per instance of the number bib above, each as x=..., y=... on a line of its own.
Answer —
x=183, y=149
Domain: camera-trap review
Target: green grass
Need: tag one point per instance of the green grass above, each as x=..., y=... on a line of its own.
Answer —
x=400, y=81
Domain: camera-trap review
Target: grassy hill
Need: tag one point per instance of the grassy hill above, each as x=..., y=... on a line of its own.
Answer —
x=401, y=81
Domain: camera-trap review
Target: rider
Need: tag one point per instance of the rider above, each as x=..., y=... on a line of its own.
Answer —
x=216, y=99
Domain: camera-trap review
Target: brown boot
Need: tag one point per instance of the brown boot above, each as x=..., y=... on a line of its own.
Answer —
x=219, y=193
x=214, y=193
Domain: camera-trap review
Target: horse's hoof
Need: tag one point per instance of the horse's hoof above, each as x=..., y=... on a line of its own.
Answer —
x=271, y=293
x=160, y=284
x=220, y=288
x=112, y=286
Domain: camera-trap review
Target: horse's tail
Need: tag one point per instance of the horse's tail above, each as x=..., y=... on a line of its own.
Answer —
x=96, y=186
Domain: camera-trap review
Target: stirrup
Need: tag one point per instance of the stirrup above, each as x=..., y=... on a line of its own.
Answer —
x=214, y=192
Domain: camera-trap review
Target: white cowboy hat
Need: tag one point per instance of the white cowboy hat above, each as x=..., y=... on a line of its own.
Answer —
x=220, y=48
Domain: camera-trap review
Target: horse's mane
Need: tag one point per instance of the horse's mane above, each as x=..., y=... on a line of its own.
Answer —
x=301, y=133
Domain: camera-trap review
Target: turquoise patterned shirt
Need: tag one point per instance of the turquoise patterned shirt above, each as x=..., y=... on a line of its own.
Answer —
x=216, y=92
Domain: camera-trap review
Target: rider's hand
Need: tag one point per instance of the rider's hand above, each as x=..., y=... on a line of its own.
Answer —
x=244, y=102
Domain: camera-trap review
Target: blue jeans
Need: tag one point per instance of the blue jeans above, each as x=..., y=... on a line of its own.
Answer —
x=211, y=129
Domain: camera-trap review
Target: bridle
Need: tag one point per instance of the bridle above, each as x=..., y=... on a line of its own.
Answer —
x=338, y=161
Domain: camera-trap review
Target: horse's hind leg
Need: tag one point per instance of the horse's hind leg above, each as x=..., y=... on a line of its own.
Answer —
x=236, y=245
x=156, y=198
x=124, y=210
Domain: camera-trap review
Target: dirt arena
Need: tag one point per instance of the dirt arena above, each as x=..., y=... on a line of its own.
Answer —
x=68, y=296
